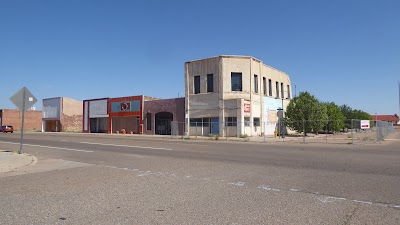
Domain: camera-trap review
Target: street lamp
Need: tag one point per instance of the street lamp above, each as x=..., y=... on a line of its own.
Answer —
x=282, y=131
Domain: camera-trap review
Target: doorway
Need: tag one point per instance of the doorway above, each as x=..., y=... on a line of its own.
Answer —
x=163, y=123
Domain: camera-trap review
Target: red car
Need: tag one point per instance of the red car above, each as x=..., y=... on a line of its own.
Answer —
x=6, y=129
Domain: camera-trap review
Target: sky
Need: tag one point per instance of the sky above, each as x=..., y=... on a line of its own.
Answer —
x=342, y=51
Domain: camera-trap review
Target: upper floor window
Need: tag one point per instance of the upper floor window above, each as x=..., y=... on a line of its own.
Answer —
x=270, y=87
x=236, y=81
x=210, y=83
x=196, y=84
x=255, y=83
x=282, y=91
x=288, y=91
x=265, y=85
x=277, y=89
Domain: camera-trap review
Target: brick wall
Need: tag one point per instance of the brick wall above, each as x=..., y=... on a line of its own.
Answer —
x=12, y=117
x=72, y=123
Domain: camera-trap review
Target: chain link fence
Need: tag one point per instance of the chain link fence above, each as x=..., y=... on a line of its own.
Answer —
x=305, y=131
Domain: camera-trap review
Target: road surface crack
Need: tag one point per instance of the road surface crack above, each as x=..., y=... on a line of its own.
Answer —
x=349, y=216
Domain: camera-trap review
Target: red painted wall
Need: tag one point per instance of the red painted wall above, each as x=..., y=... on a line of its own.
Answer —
x=126, y=114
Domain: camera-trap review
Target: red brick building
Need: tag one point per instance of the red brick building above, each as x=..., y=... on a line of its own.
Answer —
x=387, y=118
x=13, y=117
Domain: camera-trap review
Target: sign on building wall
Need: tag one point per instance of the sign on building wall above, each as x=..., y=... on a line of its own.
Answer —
x=128, y=106
x=247, y=109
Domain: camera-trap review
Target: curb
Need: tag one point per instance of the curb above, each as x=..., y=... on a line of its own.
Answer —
x=34, y=160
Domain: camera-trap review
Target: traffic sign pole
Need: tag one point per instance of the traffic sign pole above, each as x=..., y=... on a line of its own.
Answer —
x=23, y=99
x=22, y=127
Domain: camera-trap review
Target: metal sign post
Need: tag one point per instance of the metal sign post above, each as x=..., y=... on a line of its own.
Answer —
x=23, y=99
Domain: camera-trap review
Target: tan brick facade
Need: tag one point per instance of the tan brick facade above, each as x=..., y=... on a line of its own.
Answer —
x=62, y=114
x=13, y=117
x=72, y=123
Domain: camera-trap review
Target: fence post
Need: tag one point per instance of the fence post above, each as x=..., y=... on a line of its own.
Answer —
x=196, y=129
x=264, y=130
x=377, y=132
x=326, y=132
x=352, y=131
x=226, y=131
x=304, y=133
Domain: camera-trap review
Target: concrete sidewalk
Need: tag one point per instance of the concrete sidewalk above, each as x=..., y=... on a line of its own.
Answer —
x=11, y=161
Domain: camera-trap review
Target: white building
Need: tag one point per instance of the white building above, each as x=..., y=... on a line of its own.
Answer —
x=233, y=96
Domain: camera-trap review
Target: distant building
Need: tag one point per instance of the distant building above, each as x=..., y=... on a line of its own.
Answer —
x=95, y=115
x=234, y=96
x=387, y=118
x=133, y=115
x=126, y=114
x=13, y=117
x=61, y=114
x=164, y=116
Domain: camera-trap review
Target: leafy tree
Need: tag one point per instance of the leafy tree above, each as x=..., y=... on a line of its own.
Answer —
x=353, y=114
x=348, y=114
x=335, y=117
x=308, y=110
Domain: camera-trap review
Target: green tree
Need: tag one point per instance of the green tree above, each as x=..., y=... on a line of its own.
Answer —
x=347, y=112
x=335, y=117
x=353, y=114
x=305, y=110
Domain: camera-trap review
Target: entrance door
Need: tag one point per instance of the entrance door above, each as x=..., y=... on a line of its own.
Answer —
x=215, y=125
x=163, y=123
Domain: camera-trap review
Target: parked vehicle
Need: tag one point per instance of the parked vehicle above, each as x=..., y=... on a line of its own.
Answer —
x=6, y=129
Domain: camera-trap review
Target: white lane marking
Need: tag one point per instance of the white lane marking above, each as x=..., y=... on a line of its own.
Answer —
x=362, y=202
x=127, y=146
x=268, y=188
x=64, y=140
x=326, y=199
x=321, y=198
x=240, y=184
x=44, y=146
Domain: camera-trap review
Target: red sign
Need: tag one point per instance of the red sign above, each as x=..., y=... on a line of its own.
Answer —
x=247, y=109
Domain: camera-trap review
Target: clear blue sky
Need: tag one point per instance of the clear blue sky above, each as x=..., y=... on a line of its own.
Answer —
x=343, y=51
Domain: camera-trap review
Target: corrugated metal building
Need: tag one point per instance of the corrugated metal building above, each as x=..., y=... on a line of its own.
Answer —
x=95, y=115
x=61, y=114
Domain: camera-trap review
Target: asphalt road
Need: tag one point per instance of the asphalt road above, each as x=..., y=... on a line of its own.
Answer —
x=107, y=179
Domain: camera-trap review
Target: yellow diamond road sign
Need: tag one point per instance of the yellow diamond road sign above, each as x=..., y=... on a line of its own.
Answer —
x=23, y=99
